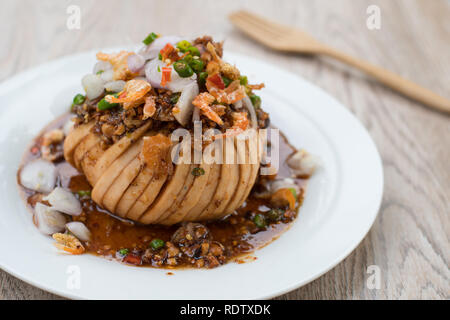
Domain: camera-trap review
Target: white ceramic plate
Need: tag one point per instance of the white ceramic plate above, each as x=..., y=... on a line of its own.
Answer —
x=341, y=203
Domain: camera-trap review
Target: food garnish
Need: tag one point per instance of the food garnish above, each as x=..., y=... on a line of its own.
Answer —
x=68, y=243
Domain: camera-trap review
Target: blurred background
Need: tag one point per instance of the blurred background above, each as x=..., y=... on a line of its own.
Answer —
x=409, y=241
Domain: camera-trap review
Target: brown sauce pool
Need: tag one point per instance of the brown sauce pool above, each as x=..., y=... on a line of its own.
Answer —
x=228, y=239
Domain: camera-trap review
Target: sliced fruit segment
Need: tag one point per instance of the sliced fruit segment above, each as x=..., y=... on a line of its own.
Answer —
x=255, y=157
x=207, y=194
x=192, y=197
x=74, y=138
x=83, y=147
x=188, y=196
x=134, y=191
x=167, y=195
x=244, y=175
x=122, y=182
x=147, y=197
x=113, y=171
x=113, y=152
x=89, y=160
x=228, y=180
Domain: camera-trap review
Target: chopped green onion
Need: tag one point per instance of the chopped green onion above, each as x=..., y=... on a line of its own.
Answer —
x=159, y=56
x=197, y=65
x=150, y=38
x=243, y=80
x=202, y=77
x=123, y=252
x=256, y=101
x=105, y=105
x=79, y=99
x=159, y=69
x=194, y=51
x=84, y=193
x=198, y=172
x=259, y=221
x=183, y=45
x=100, y=72
x=183, y=69
x=226, y=81
x=188, y=58
x=174, y=97
x=157, y=244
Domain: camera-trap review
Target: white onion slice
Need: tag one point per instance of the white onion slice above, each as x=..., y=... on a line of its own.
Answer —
x=39, y=175
x=107, y=75
x=251, y=109
x=93, y=85
x=63, y=200
x=135, y=62
x=152, y=50
x=176, y=83
x=48, y=220
x=115, y=86
x=79, y=230
x=65, y=173
x=102, y=66
x=184, y=103
x=152, y=74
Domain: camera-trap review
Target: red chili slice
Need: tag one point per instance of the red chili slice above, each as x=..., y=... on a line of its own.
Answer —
x=132, y=259
x=166, y=73
x=166, y=51
x=217, y=81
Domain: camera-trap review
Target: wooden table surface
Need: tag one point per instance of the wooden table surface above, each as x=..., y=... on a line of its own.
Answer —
x=409, y=241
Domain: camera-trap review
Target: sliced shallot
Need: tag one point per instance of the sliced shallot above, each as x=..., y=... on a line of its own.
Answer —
x=38, y=175
x=107, y=76
x=102, y=66
x=153, y=72
x=115, y=86
x=63, y=200
x=93, y=85
x=185, y=105
x=49, y=221
x=79, y=230
x=177, y=83
x=152, y=50
x=251, y=109
x=135, y=62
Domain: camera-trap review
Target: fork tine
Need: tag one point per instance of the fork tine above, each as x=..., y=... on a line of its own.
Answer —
x=270, y=25
x=253, y=30
x=260, y=24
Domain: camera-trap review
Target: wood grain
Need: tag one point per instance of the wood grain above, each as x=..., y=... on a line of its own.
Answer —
x=410, y=238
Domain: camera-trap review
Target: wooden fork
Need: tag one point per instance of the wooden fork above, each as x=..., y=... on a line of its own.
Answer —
x=284, y=38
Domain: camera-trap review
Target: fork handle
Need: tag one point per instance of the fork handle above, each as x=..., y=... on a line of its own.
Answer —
x=392, y=80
